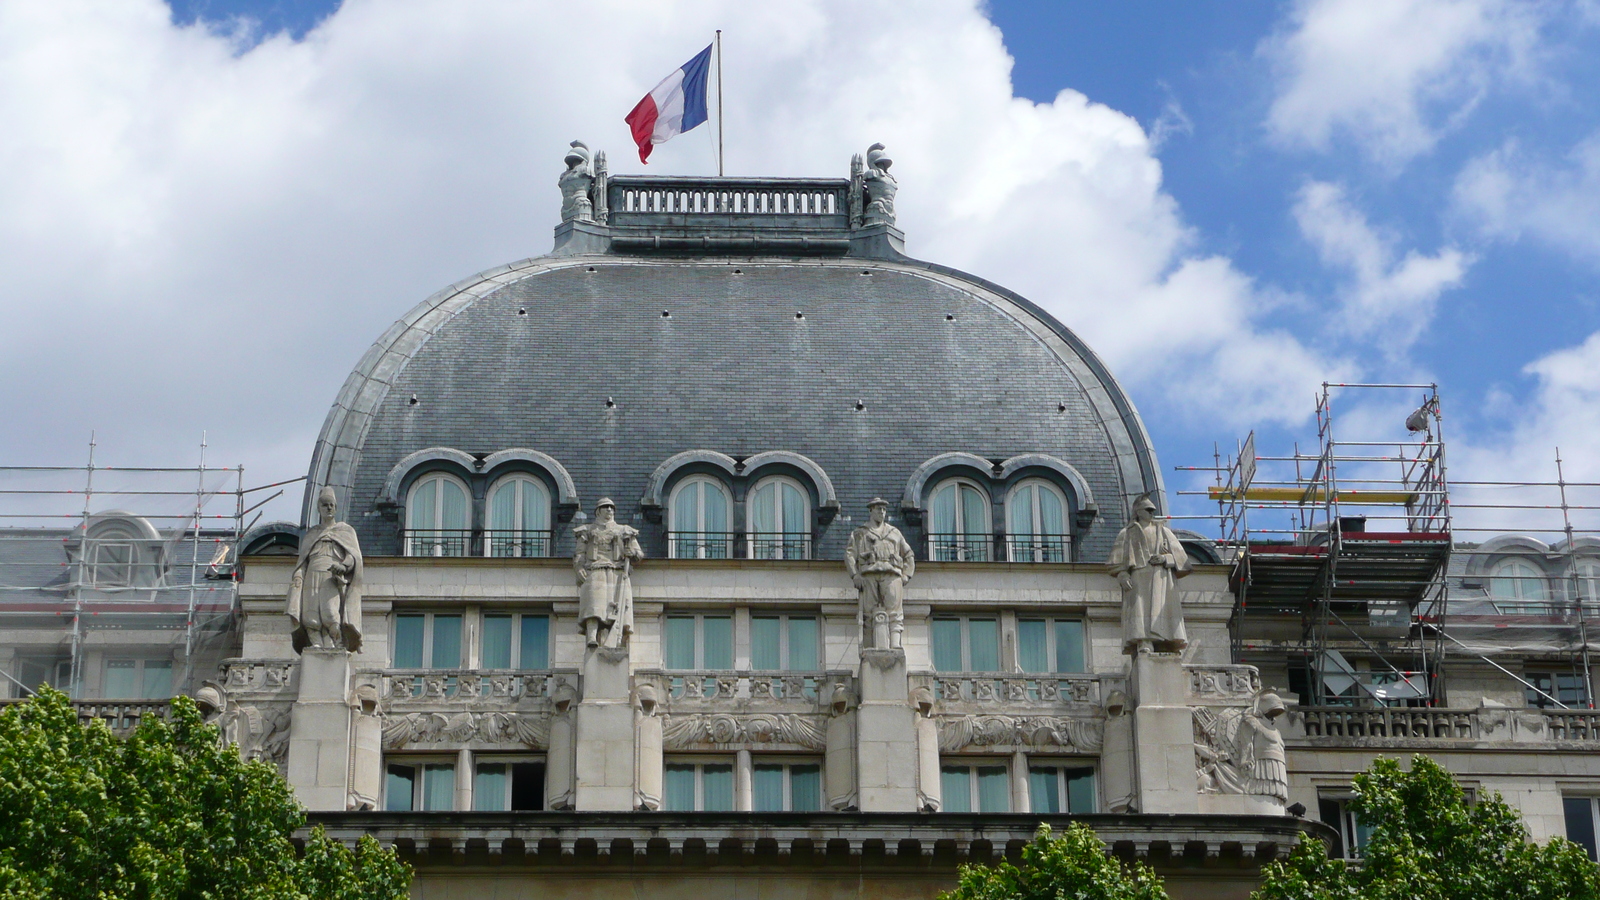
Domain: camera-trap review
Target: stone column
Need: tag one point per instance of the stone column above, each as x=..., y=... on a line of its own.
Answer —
x=604, y=749
x=886, y=734
x=839, y=767
x=743, y=781
x=650, y=763
x=1021, y=802
x=1163, y=736
x=558, y=769
x=930, y=790
x=319, y=731
x=1116, y=757
x=463, y=780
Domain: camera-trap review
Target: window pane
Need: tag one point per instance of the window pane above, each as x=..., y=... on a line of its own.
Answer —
x=767, y=788
x=452, y=506
x=408, y=642
x=535, y=642
x=1052, y=518
x=503, y=508
x=686, y=508
x=121, y=680
x=1043, y=796
x=1080, y=790
x=794, y=510
x=398, y=786
x=527, y=786
x=716, y=510
x=716, y=783
x=765, y=642
x=446, y=642
x=764, y=509
x=1069, y=647
x=157, y=679
x=803, y=644
x=535, y=506
x=1031, y=650
x=679, y=642
x=497, y=642
x=678, y=787
x=718, y=638
x=424, y=504
x=1580, y=822
x=955, y=784
x=994, y=789
x=943, y=513
x=1021, y=511
x=985, y=637
x=438, y=786
x=947, y=645
x=805, y=788
x=974, y=511
x=489, y=787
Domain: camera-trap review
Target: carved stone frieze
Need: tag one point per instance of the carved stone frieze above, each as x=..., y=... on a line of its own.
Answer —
x=463, y=727
x=686, y=732
x=251, y=676
x=961, y=732
x=1224, y=682
x=1019, y=689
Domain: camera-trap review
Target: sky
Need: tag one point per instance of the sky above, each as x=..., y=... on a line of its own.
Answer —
x=211, y=208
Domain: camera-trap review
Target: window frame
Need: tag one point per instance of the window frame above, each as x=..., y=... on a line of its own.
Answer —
x=699, y=618
x=139, y=667
x=507, y=760
x=435, y=479
x=121, y=570
x=1549, y=681
x=1515, y=603
x=966, y=641
x=974, y=794
x=962, y=546
x=1585, y=584
x=783, y=537
x=699, y=763
x=518, y=663
x=419, y=764
x=785, y=645
x=1063, y=785
x=703, y=539
x=1353, y=836
x=518, y=481
x=788, y=763
x=427, y=638
x=1037, y=483
x=1592, y=802
x=1052, y=636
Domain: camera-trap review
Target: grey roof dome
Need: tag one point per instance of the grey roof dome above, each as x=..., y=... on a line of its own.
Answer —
x=609, y=364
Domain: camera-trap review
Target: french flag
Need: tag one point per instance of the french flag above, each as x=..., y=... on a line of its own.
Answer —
x=676, y=105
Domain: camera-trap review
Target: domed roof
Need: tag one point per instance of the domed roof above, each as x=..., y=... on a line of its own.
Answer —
x=611, y=363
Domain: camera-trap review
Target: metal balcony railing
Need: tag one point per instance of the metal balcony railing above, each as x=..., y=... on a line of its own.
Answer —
x=738, y=545
x=779, y=545
x=1039, y=548
x=960, y=547
x=438, y=541
x=502, y=542
x=1029, y=548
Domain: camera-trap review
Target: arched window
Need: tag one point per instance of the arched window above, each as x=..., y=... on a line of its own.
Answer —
x=1516, y=585
x=960, y=523
x=1036, y=515
x=1587, y=571
x=437, y=517
x=700, y=514
x=519, y=518
x=780, y=516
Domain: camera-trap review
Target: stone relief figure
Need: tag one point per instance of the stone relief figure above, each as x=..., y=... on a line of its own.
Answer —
x=325, y=591
x=1240, y=750
x=880, y=187
x=603, y=561
x=880, y=563
x=575, y=184
x=1147, y=560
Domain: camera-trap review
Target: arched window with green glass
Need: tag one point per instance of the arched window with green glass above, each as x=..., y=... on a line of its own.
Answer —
x=700, y=511
x=959, y=527
x=1517, y=586
x=780, y=520
x=519, y=518
x=1036, y=523
x=438, y=517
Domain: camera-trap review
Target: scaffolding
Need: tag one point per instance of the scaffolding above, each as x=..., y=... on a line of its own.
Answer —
x=1361, y=540
x=146, y=551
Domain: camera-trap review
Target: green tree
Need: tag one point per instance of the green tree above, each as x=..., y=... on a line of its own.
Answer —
x=168, y=813
x=1428, y=842
x=1074, y=866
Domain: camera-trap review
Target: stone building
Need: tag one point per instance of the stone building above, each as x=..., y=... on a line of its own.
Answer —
x=727, y=550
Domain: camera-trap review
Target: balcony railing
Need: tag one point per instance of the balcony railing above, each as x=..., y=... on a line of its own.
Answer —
x=465, y=684
x=438, y=541
x=1408, y=722
x=730, y=685
x=498, y=542
x=999, y=689
x=517, y=543
x=121, y=716
x=738, y=545
x=1030, y=548
x=1572, y=724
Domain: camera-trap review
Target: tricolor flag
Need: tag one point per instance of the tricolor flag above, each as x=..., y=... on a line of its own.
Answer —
x=676, y=105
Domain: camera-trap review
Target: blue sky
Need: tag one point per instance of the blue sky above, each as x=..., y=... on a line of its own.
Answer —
x=1241, y=198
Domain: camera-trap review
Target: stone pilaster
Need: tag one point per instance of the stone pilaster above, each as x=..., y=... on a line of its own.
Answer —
x=1163, y=736
x=886, y=734
x=320, y=731
x=604, y=749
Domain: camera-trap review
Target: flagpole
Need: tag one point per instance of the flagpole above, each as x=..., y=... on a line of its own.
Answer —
x=719, y=102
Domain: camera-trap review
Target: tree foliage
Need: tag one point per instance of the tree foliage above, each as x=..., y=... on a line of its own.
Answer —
x=168, y=813
x=1074, y=866
x=1428, y=842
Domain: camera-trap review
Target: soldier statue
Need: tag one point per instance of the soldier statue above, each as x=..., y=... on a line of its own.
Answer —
x=1147, y=559
x=880, y=563
x=325, y=590
x=603, y=561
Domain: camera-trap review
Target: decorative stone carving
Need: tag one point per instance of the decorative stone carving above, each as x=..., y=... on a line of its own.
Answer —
x=648, y=785
x=259, y=731
x=325, y=591
x=880, y=188
x=839, y=771
x=1019, y=689
x=597, y=191
x=559, y=759
x=366, y=756
x=960, y=732
x=603, y=561
x=462, y=727
x=576, y=183
x=1224, y=682
x=256, y=676
x=1147, y=559
x=880, y=563
x=1238, y=750
x=686, y=732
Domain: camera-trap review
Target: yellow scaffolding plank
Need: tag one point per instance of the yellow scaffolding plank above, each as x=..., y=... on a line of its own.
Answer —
x=1312, y=494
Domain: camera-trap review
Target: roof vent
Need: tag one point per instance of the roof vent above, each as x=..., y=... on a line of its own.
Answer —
x=799, y=315
x=413, y=401
x=591, y=269
x=738, y=271
x=1061, y=407
x=865, y=272
x=860, y=405
x=610, y=403
x=949, y=317
x=521, y=311
x=666, y=314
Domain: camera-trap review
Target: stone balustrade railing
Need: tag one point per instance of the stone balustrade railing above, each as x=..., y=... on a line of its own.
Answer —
x=1572, y=724
x=250, y=675
x=1004, y=689
x=758, y=197
x=731, y=685
x=121, y=716
x=1208, y=684
x=1397, y=722
x=403, y=685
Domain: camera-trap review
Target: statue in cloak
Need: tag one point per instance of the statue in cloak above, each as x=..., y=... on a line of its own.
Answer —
x=1147, y=560
x=325, y=590
x=603, y=562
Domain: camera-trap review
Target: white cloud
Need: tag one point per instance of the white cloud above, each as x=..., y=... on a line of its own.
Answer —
x=199, y=237
x=1507, y=195
x=1386, y=299
x=1393, y=75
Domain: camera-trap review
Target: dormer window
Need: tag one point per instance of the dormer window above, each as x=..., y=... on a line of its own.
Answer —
x=780, y=517
x=438, y=517
x=700, y=513
x=519, y=518
x=960, y=529
x=1036, y=515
